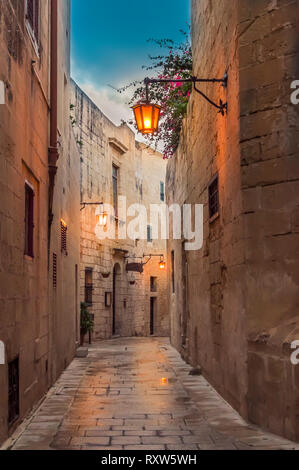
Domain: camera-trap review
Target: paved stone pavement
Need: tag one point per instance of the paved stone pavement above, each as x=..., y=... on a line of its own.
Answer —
x=136, y=393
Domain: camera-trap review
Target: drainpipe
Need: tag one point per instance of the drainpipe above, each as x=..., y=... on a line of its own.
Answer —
x=53, y=154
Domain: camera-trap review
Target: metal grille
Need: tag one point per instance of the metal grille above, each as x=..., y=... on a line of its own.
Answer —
x=63, y=228
x=214, y=197
x=13, y=391
x=54, y=270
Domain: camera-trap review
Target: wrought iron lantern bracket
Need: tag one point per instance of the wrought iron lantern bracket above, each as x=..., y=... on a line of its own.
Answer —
x=84, y=204
x=222, y=107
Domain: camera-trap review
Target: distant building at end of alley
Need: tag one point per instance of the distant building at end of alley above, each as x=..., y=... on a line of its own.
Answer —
x=113, y=164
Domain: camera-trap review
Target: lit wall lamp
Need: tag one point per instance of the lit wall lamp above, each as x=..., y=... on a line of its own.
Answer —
x=102, y=217
x=147, y=114
x=162, y=263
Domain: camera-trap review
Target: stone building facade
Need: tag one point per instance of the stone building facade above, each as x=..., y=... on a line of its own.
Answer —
x=113, y=164
x=234, y=303
x=37, y=190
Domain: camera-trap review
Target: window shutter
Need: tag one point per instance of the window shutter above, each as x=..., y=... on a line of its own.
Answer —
x=36, y=19
x=214, y=197
x=30, y=12
x=63, y=229
x=54, y=270
x=33, y=8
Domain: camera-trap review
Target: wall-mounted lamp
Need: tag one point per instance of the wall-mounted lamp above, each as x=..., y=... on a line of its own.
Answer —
x=162, y=264
x=102, y=219
x=147, y=114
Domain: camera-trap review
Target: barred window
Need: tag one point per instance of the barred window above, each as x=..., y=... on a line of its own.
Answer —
x=13, y=391
x=29, y=220
x=162, y=191
x=63, y=228
x=149, y=234
x=214, y=197
x=33, y=9
x=115, y=188
x=172, y=272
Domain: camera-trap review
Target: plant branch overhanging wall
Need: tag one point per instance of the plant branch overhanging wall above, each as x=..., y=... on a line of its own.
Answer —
x=147, y=114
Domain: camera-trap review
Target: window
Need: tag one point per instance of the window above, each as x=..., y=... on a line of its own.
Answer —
x=54, y=270
x=162, y=191
x=213, y=198
x=29, y=220
x=149, y=234
x=63, y=229
x=153, y=306
x=115, y=187
x=153, y=284
x=172, y=272
x=32, y=16
x=88, y=286
x=108, y=299
x=13, y=391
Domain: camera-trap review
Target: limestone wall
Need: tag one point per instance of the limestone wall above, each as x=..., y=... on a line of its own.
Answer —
x=235, y=306
x=37, y=321
x=24, y=315
x=64, y=301
x=269, y=144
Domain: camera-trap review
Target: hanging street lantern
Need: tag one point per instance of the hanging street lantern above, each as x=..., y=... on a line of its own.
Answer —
x=147, y=114
x=147, y=117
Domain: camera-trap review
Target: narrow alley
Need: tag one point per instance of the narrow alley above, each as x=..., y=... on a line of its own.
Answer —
x=149, y=227
x=137, y=394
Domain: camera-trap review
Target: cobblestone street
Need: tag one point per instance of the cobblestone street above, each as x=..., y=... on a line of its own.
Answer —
x=136, y=393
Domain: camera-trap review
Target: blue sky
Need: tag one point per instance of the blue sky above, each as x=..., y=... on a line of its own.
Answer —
x=109, y=44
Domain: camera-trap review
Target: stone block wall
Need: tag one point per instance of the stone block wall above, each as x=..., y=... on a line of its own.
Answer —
x=269, y=145
x=207, y=305
x=37, y=321
x=24, y=314
x=234, y=306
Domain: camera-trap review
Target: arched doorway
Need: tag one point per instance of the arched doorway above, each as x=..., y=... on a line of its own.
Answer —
x=115, y=300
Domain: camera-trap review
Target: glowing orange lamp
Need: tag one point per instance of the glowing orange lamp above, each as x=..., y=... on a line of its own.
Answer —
x=103, y=219
x=162, y=264
x=147, y=117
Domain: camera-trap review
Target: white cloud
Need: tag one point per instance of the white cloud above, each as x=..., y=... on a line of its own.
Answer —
x=112, y=104
x=114, y=108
